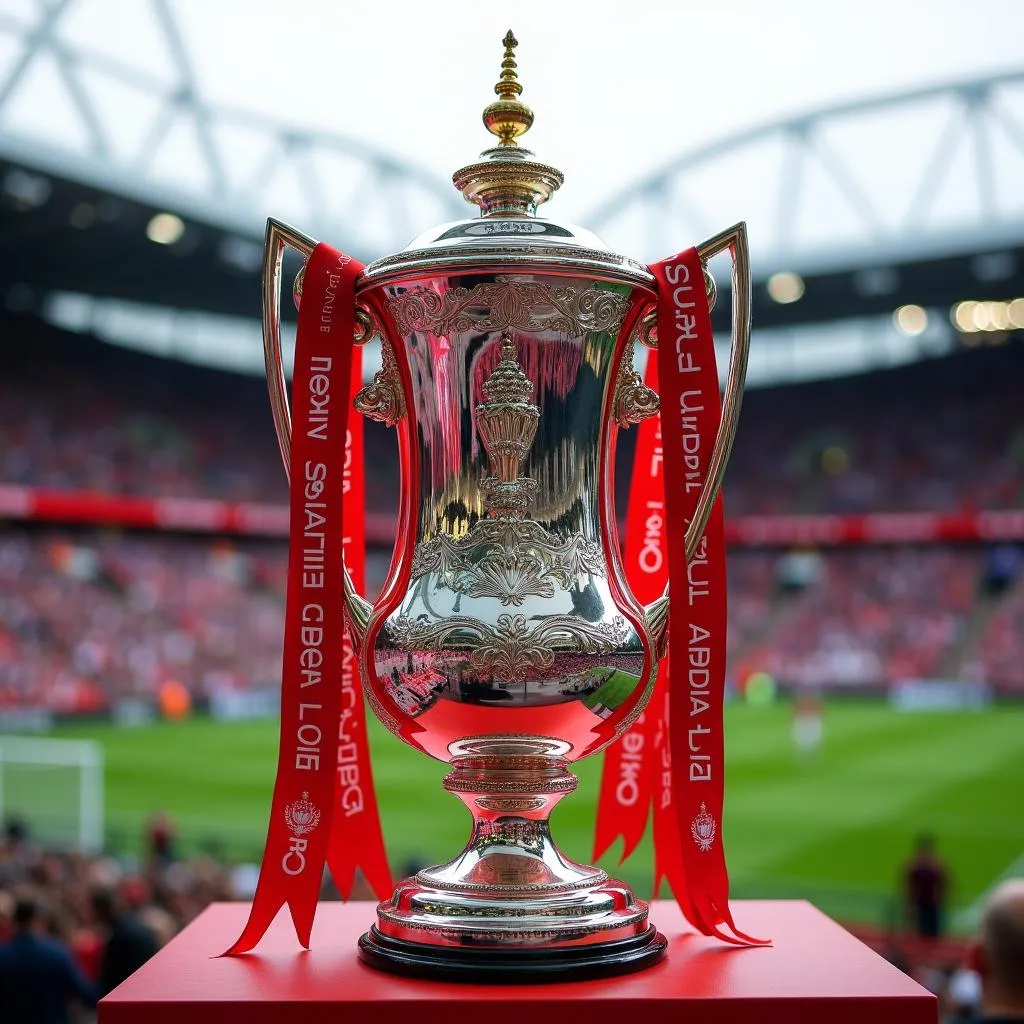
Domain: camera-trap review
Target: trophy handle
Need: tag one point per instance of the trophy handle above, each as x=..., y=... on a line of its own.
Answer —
x=278, y=236
x=735, y=240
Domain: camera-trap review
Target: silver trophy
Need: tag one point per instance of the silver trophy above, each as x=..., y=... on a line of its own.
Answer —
x=505, y=640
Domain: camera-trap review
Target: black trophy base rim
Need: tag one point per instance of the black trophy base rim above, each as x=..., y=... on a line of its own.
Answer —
x=487, y=964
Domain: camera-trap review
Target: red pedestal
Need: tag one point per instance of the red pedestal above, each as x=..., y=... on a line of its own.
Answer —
x=814, y=972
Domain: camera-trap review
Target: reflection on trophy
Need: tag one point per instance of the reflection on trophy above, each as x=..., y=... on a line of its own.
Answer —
x=505, y=640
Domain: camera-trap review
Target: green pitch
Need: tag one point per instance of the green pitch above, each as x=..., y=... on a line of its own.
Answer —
x=834, y=829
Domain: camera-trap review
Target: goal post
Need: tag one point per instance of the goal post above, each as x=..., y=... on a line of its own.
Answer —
x=55, y=787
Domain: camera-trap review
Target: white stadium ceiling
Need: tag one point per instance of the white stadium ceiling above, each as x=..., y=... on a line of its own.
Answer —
x=138, y=127
x=108, y=91
x=920, y=173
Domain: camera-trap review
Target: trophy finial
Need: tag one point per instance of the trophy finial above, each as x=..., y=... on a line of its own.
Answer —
x=507, y=180
x=508, y=117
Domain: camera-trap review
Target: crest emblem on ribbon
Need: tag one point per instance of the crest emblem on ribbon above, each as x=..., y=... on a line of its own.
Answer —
x=301, y=816
x=703, y=829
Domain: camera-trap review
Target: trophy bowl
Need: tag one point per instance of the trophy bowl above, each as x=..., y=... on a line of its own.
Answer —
x=505, y=640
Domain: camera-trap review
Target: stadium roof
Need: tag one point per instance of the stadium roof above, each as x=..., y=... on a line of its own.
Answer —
x=911, y=195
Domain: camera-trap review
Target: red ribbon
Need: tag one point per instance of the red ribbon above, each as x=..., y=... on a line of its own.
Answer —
x=691, y=413
x=323, y=744
x=357, y=841
x=629, y=765
x=680, y=738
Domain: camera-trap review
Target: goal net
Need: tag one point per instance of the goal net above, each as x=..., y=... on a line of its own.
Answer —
x=55, y=787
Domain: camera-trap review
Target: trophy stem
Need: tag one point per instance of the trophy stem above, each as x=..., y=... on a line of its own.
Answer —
x=511, y=905
x=511, y=799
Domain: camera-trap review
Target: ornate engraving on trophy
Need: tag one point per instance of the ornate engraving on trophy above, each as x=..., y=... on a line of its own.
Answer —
x=509, y=804
x=509, y=303
x=508, y=560
x=383, y=399
x=507, y=423
x=506, y=555
x=522, y=831
x=634, y=401
x=512, y=649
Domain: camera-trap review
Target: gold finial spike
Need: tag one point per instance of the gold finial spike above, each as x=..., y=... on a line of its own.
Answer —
x=508, y=87
x=508, y=118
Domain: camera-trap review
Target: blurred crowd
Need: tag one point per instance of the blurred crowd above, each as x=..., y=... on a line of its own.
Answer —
x=89, y=618
x=86, y=922
x=1000, y=654
x=86, y=619
x=98, y=918
x=78, y=414
x=873, y=616
x=75, y=413
x=73, y=926
x=941, y=436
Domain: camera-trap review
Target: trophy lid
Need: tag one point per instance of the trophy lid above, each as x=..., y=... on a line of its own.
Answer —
x=508, y=184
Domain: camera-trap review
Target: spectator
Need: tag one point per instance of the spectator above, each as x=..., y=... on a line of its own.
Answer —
x=998, y=955
x=160, y=832
x=129, y=943
x=927, y=883
x=38, y=977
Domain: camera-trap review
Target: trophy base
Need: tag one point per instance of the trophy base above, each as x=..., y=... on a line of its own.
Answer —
x=504, y=965
x=511, y=906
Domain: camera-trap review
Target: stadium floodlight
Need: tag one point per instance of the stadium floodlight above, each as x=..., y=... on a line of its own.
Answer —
x=962, y=315
x=785, y=287
x=911, y=320
x=165, y=228
x=971, y=317
x=55, y=787
x=999, y=316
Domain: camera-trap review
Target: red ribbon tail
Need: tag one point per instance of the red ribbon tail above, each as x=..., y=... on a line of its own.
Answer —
x=369, y=856
x=615, y=821
x=266, y=905
x=302, y=919
x=741, y=938
x=737, y=938
x=265, y=908
x=255, y=928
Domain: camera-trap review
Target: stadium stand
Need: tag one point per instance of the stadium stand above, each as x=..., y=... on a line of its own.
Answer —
x=88, y=618
x=79, y=414
x=999, y=654
x=76, y=413
x=872, y=617
x=939, y=435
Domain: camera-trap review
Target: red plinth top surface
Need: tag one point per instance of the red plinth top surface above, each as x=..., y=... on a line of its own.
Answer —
x=814, y=972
